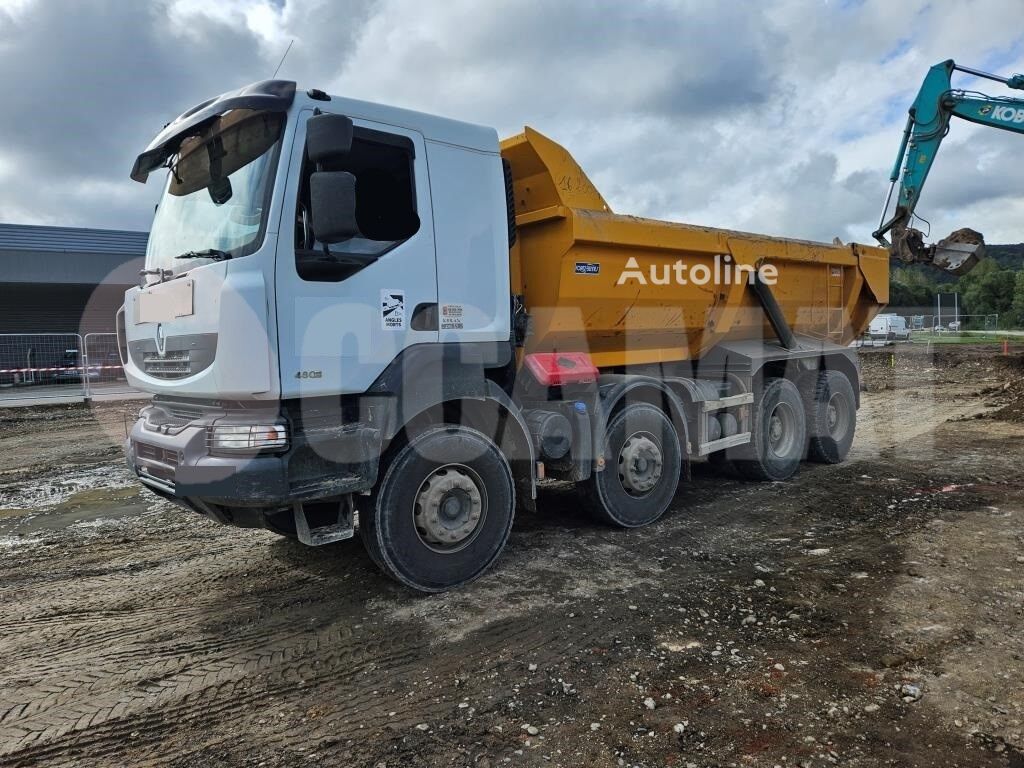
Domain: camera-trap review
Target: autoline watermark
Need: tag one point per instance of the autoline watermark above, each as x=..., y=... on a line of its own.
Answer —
x=722, y=271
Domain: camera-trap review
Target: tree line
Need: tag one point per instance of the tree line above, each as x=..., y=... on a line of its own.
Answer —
x=994, y=286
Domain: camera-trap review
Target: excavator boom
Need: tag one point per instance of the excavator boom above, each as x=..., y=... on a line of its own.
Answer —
x=927, y=125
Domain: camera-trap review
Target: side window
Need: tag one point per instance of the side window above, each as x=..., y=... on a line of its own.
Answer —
x=386, y=212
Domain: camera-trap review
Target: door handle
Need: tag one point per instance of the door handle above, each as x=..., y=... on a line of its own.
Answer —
x=424, y=317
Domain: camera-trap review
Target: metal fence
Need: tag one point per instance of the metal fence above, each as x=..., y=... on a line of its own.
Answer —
x=949, y=322
x=69, y=366
x=103, y=362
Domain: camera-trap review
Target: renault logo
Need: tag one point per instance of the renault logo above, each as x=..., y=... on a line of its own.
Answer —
x=161, y=340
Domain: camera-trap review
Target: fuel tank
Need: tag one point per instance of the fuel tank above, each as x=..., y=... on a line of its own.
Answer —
x=636, y=291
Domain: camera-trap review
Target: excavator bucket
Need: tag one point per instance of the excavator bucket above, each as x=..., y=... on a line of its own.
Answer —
x=956, y=254
x=958, y=258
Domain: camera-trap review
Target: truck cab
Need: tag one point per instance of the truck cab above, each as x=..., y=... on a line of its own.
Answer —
x=281, y=355
x=242, y=301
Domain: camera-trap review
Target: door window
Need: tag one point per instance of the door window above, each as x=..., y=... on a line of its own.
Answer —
x=386, y=211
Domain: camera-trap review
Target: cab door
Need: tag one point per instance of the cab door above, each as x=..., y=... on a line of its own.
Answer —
x=344, y=315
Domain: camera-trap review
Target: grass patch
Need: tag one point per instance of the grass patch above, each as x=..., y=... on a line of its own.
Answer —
x=958, y=338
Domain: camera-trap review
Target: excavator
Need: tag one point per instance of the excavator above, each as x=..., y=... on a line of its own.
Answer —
x=927, y=125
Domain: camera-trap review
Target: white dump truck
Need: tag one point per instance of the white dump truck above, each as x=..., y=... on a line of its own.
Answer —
x=360, y=317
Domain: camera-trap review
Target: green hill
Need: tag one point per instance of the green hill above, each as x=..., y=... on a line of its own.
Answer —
x=1007, y=256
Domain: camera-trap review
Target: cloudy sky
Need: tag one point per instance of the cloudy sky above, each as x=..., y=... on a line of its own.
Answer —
x=778, y=117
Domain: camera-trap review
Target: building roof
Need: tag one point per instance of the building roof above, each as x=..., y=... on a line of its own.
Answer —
x=24, y=237
x=30, y=254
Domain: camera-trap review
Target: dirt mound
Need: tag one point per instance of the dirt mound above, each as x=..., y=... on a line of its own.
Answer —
x=1011, y=394
x=981, y=369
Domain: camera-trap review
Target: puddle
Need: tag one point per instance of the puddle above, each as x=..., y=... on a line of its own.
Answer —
x=38, y=495
x=11, y=542
x=87, y=511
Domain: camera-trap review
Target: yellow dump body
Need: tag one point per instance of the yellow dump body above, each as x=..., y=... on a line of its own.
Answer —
x=571, y=252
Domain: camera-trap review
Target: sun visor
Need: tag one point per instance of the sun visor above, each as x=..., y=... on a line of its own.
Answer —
x=267, y=95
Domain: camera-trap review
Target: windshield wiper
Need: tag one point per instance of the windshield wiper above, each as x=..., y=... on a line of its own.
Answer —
x=210, y=253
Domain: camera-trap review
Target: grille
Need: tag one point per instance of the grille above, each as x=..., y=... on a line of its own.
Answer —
x=182, y=412
x=156, y=453
x=173, y=365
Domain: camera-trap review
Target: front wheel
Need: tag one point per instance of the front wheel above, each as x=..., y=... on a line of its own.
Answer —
x=644, y=461
x=442, y=510
x=779, y=434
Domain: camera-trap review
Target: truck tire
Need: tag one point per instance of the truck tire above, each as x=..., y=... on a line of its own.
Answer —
x=831, y=409
x=641, y=476
x=778, y=436
x=442, y=511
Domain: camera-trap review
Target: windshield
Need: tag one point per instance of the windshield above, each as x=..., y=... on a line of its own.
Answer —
x=217, y=192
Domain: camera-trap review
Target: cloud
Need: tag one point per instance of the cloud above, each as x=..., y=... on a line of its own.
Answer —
x=93, y=83
x=783, y=120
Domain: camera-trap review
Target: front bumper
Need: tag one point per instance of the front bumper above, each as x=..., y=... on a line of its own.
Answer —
x=168, y=451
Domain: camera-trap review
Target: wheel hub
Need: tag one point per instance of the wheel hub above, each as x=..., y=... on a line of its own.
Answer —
x=781, y=428
x=448, y=507
x=640, y=464
x=836, y=416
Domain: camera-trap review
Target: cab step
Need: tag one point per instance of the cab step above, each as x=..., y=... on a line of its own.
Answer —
x=341, y=514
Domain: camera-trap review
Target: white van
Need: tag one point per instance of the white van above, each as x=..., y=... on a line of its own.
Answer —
x=889, y=327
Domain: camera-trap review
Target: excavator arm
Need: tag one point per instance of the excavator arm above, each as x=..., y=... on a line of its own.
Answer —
x=927, y=125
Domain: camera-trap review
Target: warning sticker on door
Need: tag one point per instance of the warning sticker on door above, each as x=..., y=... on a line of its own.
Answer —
x=452, y=317
x=392, y=310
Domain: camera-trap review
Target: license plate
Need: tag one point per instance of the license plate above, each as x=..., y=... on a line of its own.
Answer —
x=164, y=302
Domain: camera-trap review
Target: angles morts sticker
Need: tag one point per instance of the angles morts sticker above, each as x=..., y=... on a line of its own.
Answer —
x=392, y=310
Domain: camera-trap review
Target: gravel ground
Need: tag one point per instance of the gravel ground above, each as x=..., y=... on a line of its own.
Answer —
x=864, y=614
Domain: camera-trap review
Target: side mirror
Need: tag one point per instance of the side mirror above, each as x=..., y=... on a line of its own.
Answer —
x=333, y=201
x=328, y=136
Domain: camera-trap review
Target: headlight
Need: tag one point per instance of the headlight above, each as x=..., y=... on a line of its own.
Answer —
x=236, y=438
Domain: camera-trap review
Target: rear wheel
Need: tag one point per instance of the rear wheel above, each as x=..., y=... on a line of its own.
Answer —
x=442, y=510
x=831, y=418
x=641, y=476
x=778, y=436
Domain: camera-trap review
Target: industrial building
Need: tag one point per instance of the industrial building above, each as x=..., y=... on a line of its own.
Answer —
x=63, y=279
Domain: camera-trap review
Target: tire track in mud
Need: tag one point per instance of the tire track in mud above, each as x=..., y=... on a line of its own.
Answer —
x=171, y=681
x=184, y=696
x=153, y=634
x=282, y=667
x=101, y=709
x=117, y=696
x=118, y=684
